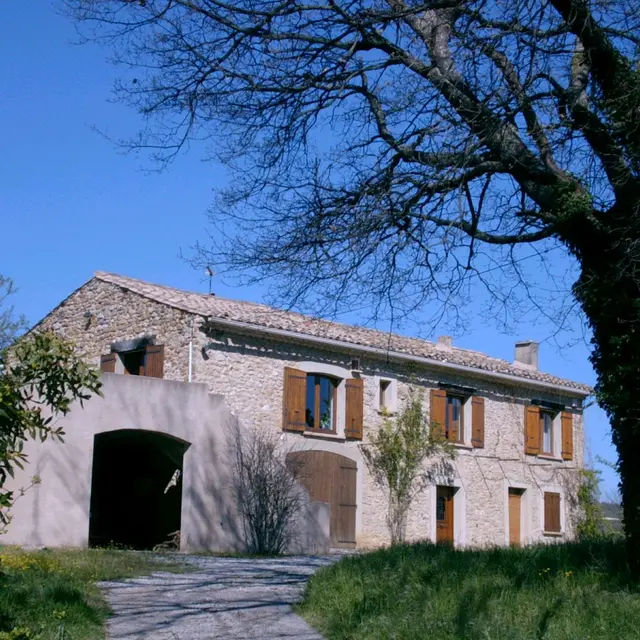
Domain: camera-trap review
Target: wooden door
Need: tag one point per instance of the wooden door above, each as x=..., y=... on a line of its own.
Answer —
x=331, y=478
x=345, y=530
x=444, y=515
x=515, y=517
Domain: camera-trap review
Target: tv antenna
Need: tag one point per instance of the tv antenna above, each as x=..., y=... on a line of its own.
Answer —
x=210, y=272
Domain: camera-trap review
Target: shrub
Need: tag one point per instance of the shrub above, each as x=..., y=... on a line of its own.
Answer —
x=268, y=495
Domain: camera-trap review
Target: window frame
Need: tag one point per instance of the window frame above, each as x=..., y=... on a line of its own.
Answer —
x=384, y=394
x=391, y=395
x=137, y=355
x=461, y=423
x=552, y=436
x=335, y=383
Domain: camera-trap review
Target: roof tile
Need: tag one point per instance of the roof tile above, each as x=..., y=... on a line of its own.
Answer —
x=263, y=316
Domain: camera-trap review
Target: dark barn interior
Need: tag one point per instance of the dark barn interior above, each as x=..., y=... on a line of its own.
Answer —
x=136, y=489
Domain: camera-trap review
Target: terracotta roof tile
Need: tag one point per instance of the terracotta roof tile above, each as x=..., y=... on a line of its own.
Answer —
x=262, y=316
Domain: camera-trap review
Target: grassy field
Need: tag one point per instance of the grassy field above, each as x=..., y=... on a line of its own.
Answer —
x=52, y=594
x=569, y=592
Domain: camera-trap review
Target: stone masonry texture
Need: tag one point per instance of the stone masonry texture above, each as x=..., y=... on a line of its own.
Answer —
x=247, y=368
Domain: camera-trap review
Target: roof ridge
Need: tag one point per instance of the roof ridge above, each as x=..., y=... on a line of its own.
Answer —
x=106, y=276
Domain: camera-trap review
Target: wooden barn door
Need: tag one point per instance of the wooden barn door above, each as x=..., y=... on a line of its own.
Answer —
x=331, y=478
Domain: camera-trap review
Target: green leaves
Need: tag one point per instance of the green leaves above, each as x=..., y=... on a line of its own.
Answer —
x=590, y=524
x=40, y=378
x=395, y=457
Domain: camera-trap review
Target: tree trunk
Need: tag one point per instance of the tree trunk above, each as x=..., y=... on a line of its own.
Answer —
x=609, y=292
x=397, y=519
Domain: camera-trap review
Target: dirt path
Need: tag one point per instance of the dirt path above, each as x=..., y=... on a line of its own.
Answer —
x=226, y=598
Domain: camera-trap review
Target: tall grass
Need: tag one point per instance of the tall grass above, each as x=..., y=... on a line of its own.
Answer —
x=564, y=591
x=53, y=594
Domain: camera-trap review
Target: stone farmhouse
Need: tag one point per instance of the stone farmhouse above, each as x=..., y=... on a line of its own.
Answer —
x=147, y=459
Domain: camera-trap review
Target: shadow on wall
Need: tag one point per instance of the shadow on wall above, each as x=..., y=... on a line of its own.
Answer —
x=129, y=444
x=254, y=460
x=209, y=518
x=60, y=466
x=213, y=512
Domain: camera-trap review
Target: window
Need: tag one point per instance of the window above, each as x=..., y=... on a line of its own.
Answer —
x=546, y=431
x=384, y=401
x=320, y=412
x=552, y=521
x=447, y=417
x=133, y=362
x=147, y=361
x=454, y=419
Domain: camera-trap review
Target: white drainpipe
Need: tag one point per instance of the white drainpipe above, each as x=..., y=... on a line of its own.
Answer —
x=190, y=374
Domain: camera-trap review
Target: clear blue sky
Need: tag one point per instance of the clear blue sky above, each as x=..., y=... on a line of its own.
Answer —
x=70, y=204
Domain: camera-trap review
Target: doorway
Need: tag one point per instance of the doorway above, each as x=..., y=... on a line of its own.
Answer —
x=515, y=517
x=136, y=488
x=444, y=515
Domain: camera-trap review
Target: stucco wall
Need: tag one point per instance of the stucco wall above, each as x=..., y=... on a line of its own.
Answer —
x=56, y=512
x=248, y=372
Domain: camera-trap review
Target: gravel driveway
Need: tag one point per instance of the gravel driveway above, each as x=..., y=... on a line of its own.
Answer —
x=227, y=598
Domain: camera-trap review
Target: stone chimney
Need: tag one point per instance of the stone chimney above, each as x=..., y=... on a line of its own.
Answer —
x=527, y=354
x=444, y=342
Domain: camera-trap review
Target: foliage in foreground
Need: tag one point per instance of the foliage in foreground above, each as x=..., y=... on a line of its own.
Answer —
x=42, y=591
x=40, y=378
x=591, y=524
x=575, y=590
x=10, y=324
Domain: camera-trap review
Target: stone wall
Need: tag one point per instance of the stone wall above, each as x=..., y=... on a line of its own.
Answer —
x=118, y=315
x=248, y=371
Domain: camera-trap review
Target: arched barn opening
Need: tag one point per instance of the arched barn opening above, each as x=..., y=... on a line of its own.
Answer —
x=136, y=488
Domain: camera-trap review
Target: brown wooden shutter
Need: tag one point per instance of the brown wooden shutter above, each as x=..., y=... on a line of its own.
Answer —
x=154, y=361
x=477, y=422
x=438, y=411
x=108, y=363
x=355, y=409
x=567, y=435
x=552, y=512
x=532, y=430
x=294, y=400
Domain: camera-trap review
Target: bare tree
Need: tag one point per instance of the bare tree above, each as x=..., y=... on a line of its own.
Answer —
x=10, y=324
x=396, y=456
x=400, y=152
x=268, y=494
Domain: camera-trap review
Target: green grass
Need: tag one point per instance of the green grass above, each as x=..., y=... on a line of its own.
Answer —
x=44, y=590
x=568, y=592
